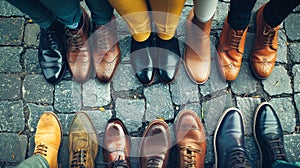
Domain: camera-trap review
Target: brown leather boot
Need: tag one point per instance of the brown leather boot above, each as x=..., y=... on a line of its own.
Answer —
x=197, y=51
x=230, y=51
x=83, y=143
x=191, y=140
x=105, y=51
x=47, y=138
x=264, y=52
x=116, y=145
x=155, y=145
x=78, y=53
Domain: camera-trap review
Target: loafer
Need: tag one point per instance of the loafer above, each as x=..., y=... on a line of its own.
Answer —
x=52, y=52
x=168, y=59
x=141, y=59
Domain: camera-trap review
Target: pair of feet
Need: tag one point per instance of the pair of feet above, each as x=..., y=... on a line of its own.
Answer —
x=156, y=143
x=60, y=48
x=229, y=147
x=149, y=58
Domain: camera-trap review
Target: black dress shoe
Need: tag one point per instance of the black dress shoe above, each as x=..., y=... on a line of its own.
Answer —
x=229, y=145
x=168, y=60
x=52, y=52
x=268, y=135
x=141, y=60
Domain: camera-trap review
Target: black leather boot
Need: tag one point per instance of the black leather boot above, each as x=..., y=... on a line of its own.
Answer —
x=52, y=52
x=229, y=145
x=268, y=135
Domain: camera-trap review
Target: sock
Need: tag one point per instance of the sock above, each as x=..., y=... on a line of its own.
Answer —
x=76, y=26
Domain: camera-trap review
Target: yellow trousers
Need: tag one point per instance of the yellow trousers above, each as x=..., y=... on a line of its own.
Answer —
x=166, y=14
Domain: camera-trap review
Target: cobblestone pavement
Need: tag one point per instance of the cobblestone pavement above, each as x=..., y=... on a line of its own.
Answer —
x=25, y=95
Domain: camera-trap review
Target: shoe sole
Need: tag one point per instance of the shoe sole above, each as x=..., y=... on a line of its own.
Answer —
x=217, y=129
x=260, y=161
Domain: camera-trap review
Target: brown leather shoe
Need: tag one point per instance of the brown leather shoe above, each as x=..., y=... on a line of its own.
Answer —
x=230, y=51
x=83, y=143
x=116, y=145
x=197, y=51
x=78, y=53
x=47, y=138
x=191, y=139
x=264, y=52
x=155, y=145
x=105, y=51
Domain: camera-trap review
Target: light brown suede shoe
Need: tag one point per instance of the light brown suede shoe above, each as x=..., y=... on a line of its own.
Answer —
x=83, y=143
x=155, y=145
x=78, y=53
x=116, y=144
x=191, y=139
x=105, y=51
x=48, y=137
x=197, y=51
x=264, y=52
x=230, y=51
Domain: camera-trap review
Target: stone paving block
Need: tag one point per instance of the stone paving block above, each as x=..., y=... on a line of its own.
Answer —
x=125, y=79
x=14, y=147
x=9, y=10
x=11, y=31
x=189, y=2
x=297, y=9
x=10, y=59
x=215, y=81
x=67, y=97
x=286, y=113
x=296, y=74
x=36, y=89
x=251, y=150
x=95, y=94
x=125, y=46
x=161, y=107
x=292, y=146
x=247, y=106
x=292, y=27
x=31, y=62
x=278, y=83
x=297, y=102
x=11, y=116
x=213, y=110
x=210, y=157
x=100, y=119
x=220, y=15
x=122, y=26
x=31, y=35
x=181, y=28
x=294, y=53
x=249, y=43
x=183, y=90
x=35, y=112
x=131, y=112
x=66, y=120
x=196, y=107
x=10, y=86
x=245, y=83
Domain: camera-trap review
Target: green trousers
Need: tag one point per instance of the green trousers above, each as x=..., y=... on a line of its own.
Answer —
x=35, y=161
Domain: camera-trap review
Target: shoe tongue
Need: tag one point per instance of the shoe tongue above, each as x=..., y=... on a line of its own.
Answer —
x=272, y=136
x=80, y=141
x=239, y=32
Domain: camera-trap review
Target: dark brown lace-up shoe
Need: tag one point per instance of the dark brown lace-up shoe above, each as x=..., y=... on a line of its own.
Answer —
x=191, y=140
x=155, y=145
x=268, y=135
x=229, y=142
x=116, y=145
x=83, y=143
x=105, y=51
x=78, y=53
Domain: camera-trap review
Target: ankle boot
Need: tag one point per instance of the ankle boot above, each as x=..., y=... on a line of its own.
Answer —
x=230, y=51
x=78, y=53
x=197, y=51
x=83, y=143
x=264, y=52
x=47, y=138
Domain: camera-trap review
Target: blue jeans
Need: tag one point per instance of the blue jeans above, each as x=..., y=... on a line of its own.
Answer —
x=285, y=164
x=45, y=12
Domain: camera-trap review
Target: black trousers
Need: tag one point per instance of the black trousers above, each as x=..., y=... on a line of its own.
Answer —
x=274, y=12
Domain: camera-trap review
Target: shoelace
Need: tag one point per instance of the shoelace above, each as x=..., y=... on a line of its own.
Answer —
x=79, y=158
x=269, y=35
x=48, y=37
x=189, y=156
x=75, y=40
x=239, y=160
x=277, y=149
x=117, y=163
x=41, y=149
x=153, y=163
x=235, y=41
